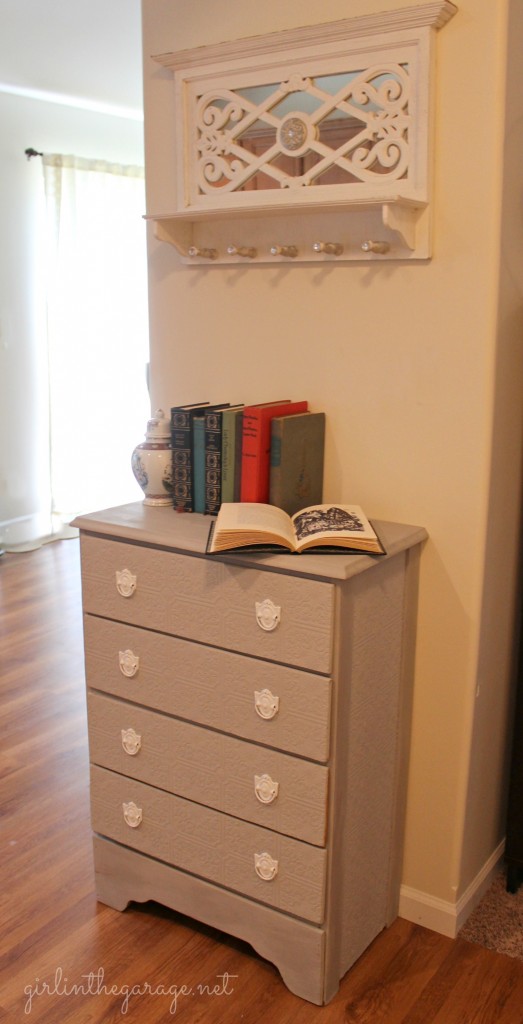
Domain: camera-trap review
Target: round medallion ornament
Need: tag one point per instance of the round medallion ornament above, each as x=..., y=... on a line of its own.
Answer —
x=295, y=134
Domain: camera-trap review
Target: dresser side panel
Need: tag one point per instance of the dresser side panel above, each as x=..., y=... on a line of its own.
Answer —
x=365, y=750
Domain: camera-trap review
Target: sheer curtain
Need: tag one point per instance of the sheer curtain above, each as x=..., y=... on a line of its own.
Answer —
x=97, y=331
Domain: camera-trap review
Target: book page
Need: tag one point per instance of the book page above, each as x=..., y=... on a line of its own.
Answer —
x=323, y=524
x=254, y=519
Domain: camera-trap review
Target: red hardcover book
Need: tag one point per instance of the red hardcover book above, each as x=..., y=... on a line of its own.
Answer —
x=256, y=446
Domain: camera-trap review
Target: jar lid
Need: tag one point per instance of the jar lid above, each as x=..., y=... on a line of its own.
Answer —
x=158, y=428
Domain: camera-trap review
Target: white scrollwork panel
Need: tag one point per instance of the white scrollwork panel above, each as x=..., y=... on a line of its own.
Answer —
x=373, y=103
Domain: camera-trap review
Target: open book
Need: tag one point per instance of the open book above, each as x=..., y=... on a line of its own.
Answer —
x=322, y=527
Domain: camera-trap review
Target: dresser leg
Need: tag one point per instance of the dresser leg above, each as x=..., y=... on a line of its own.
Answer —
x=110, y=892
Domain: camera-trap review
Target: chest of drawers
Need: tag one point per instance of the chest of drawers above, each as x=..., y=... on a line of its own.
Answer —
x=248, y=730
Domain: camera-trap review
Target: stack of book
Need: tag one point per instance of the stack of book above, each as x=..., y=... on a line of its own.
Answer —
x=270, y=453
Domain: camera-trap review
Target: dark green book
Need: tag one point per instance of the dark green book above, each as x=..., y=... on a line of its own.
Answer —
x=297, y=455
x=231, y=452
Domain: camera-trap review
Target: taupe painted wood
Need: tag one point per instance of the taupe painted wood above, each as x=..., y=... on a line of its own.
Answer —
x=213, y=687
x=208, y=601
x=161, y=527
x=216, y=846
x=298, y=947
x=211, y=768
x=357, y=624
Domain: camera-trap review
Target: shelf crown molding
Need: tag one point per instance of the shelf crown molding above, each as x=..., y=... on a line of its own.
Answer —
x=432, y=15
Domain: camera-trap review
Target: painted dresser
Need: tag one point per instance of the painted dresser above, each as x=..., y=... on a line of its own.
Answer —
x=248, y=726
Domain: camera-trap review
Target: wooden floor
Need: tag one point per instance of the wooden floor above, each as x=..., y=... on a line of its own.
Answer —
x=66, y=958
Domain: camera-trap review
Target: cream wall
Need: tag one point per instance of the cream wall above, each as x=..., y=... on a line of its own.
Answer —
x=418, y=367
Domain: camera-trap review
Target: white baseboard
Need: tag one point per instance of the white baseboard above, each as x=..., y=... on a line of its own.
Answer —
x=442, y=916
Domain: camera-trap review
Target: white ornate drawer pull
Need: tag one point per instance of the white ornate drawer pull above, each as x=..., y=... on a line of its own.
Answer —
x=267, y=614
x=132, y=814
x=266, y=704
x=131, y=741
x=129, y=663
x=265, y=788
x=125, y=582
x=265, y=866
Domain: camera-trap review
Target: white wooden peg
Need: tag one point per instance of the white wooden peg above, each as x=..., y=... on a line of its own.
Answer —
x=290, y=251
x=247, y=251
x=377, y=247
x=328, y=248
x=207, y=254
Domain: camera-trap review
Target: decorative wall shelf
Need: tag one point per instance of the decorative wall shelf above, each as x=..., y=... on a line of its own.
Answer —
x=306, y=145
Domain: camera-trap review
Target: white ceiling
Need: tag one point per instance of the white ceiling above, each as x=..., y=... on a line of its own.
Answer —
x=89, y=50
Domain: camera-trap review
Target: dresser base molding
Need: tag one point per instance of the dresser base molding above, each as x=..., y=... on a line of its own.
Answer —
x=297, y=949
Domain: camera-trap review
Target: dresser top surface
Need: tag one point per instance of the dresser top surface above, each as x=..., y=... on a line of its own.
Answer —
x=187, y=532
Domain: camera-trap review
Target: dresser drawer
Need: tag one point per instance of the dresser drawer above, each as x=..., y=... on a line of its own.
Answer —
x=261, y=701
x=270, y=615
x=261, y=785
x=264, y=865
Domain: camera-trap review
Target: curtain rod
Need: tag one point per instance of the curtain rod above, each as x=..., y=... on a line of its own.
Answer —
x=32, y=152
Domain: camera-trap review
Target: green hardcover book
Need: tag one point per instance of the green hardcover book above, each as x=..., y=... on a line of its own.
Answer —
x=256, y=446
x=231, y=452
x=198, y=427
x=297, y=453
x=214, y=426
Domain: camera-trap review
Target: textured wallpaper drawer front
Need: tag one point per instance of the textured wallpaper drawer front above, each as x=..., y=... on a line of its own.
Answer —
x=209, y=686
x=210, y=768
x=209, y=601
x=210, y=844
